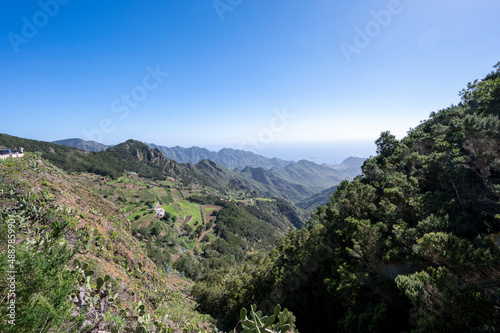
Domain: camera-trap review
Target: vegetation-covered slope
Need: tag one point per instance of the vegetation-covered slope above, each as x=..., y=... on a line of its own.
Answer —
x=316, y=200
x=295, y=182
x=72, y=243
x=202, y=226
x=312, y=175
x=114, y=162
x=350, y=167
x=411, y=245
x=66, y=239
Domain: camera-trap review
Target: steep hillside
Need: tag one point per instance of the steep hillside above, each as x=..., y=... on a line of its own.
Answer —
x=128, y=156
x=294, y=181
x=34, y=145
x=82, y=144
x=194, y=225
x=349, y=168
x=318, y=199
x=226, y=157
x=312, y=175
x=134, y=156
x=266, y=182
x=68, y=241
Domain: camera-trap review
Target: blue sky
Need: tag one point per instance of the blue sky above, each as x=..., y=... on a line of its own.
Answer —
x=257, y=75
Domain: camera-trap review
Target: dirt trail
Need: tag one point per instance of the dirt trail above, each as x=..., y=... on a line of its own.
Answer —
x=188, y=219
x=203, y=234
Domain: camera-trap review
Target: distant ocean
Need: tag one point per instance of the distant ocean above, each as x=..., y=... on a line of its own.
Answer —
x=329, y=153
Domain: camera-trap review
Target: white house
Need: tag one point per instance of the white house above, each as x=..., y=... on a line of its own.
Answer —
x=160, y=212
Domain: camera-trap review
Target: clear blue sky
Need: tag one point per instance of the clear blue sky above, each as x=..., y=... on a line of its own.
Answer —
x=82, y=69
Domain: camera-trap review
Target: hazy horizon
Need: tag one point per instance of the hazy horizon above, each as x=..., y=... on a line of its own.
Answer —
x=192, y=73
x=318, y=152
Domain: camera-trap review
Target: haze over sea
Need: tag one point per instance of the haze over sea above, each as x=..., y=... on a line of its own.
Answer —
x=318, y=152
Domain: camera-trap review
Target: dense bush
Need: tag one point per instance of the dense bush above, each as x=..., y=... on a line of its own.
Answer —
x=410, y=245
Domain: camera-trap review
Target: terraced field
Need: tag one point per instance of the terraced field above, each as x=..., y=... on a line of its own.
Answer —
x=136, y=196
x=176, y=195
x=208, y=212
x=184, y=209
x=163, y=194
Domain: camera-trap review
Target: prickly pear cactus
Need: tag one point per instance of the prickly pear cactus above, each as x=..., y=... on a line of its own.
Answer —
x=263, y=324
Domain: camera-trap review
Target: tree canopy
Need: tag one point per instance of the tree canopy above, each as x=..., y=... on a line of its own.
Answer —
x=413, y=244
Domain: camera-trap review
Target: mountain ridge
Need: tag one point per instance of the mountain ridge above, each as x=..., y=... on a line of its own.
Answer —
x=135, y=156
x=318, y=199
x=91, y=146
x=229, y=158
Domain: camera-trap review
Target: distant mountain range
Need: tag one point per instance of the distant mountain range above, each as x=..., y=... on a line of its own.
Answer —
x=298, y=180
x=350, y=167
x=226, y=157
x=303, y=182
x=83, y=145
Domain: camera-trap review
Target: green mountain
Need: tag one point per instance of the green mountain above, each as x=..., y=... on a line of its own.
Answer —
x=254, y=181
x=294, y=182
x=316, y=200
x=92, y=146
x=226, y=157
x=33, y=145
x=230, y=169
x=137, y=157
x=350, y=167
x=314, y=176
x=114, y=162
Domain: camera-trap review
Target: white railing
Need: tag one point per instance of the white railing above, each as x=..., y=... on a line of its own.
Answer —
x=14, y=155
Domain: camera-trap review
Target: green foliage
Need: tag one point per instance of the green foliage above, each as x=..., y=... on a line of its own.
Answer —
x=51, y=295
x=257, y=323
x=115, y=322
x=484, y=95
x=410, y=245
x=41, y=286
x=239, y=231
x=187, y=264
x=386, y=144
x=444, y=302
